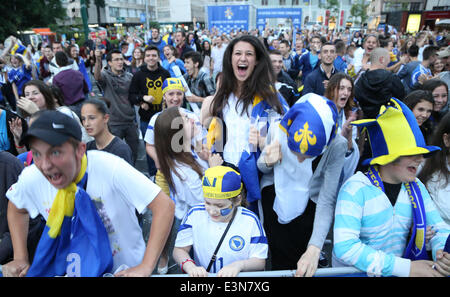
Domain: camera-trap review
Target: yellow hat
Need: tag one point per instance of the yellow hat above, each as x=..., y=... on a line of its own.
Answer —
x=394, y=133
x=221, y=182
x=172, y=83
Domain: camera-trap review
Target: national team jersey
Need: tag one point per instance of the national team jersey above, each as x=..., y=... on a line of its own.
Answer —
x=245, y=239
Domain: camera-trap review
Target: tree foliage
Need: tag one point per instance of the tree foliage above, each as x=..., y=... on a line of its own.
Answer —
x=17, y=15
x=359, y=10
x=331, y=5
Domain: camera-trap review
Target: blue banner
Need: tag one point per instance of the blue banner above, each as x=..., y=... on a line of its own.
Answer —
x=228, y=17
x=295, y=14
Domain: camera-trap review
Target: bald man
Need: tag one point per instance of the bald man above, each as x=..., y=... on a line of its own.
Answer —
x=376, y=86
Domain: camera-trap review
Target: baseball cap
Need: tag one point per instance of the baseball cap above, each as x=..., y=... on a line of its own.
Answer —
x=221, y=182
x=53, y=127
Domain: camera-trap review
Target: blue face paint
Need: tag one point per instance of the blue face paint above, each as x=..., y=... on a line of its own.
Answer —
x=226, y=211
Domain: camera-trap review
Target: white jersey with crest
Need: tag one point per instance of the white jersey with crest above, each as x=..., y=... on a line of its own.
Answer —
x=245, y=239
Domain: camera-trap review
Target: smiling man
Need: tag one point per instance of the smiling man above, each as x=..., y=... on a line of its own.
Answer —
x=317, y=81
x=146, y=91
x=62, y=170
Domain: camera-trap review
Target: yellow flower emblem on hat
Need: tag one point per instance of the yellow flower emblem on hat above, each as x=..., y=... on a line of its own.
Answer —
x=306, y=138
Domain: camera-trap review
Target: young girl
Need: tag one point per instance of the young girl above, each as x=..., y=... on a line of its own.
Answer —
x=39, y=96
x=301, y=162
x=421, y=104
x=180, y=166
x=95, y=116
x=377, y=211
x=244, y=246
x=19, y=74
x=435, y=174
x=171, y=61
x=137, y=59
x=173, y=96
x=340, y=91
x=439, y=89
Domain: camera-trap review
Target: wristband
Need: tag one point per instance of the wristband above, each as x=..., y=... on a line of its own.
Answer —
x=19, y=147
x=184, y=262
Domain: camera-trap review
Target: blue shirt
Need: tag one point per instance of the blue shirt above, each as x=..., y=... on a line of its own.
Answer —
x=19, y=76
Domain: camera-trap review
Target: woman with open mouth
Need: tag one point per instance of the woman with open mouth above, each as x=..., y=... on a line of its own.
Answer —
x=247, y=78
x=340, y=91
x=362, y=55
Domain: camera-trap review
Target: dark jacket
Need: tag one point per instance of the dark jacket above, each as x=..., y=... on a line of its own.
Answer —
x=184, y=50
x=314, y=81
x=303, y=64
x=146, y=82
x=287, y=87
x=375, y=88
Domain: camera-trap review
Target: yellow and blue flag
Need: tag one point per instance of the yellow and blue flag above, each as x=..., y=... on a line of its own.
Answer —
x=74, y=241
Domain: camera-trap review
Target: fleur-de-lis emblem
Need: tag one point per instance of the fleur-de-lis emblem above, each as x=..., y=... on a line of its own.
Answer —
x=306, y=138
x=228, y=13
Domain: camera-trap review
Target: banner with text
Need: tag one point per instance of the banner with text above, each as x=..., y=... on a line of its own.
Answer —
x=228, y=17
x=262, y=14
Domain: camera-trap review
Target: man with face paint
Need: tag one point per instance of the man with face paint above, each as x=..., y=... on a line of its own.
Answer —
x=243, y=248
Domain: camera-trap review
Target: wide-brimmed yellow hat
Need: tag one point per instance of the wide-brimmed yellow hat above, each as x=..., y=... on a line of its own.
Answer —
x=394, y=133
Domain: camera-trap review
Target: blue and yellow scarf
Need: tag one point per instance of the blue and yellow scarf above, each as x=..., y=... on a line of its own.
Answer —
x=415, y=250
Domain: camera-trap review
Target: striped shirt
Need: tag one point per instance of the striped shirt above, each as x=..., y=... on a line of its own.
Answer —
x=371, y=234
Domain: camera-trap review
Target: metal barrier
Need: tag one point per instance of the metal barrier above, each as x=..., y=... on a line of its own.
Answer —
x=321, y=272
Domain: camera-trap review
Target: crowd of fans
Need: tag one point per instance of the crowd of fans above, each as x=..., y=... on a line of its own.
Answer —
x=225, y=160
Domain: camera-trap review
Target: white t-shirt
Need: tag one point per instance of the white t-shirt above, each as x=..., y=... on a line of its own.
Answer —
x=188, y=187
x=238, y=129
x=245, y=239
x=117, y=190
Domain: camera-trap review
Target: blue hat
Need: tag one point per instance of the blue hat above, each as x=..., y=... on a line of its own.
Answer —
x=394, y=133
x=310, y=124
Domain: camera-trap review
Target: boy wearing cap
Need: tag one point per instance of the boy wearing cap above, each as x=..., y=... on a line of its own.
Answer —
x=244, y=246
x=301, y=162
x=114, y=187
x=382, y=216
